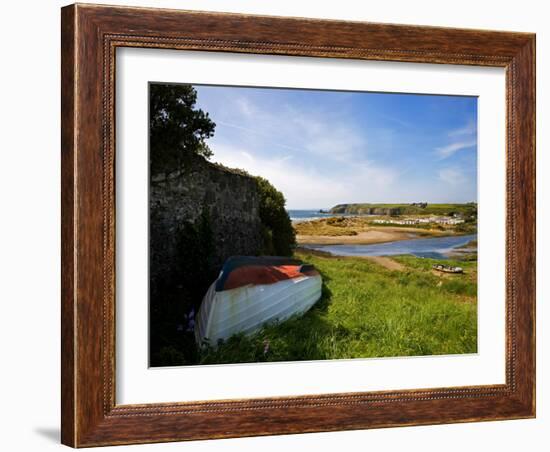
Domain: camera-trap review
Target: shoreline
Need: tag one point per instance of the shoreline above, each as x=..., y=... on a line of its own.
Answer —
x=371, y=236
x=465, y=252
x=384, y=261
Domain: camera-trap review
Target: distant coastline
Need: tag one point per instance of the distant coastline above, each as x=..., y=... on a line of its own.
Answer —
x=372, y=224
x=300, y=215
x=297, y=215
x=467, y=210
x=415, y=208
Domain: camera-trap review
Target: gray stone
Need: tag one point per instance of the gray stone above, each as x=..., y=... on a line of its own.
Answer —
x=230, y=197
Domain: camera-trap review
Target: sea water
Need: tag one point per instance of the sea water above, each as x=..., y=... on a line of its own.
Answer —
x=297, y=215
x=435, y=247
x=306, y=215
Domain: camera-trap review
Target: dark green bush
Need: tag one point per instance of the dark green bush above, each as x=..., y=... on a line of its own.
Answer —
x=178, y=129
x=278, y=233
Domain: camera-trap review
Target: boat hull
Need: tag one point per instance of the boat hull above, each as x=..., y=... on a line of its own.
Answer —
x=248, y=308
x=447, y=269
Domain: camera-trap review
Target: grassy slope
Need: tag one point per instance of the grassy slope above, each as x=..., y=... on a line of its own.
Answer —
x=368, y=311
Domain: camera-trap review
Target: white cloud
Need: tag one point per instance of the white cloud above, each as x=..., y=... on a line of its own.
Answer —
x=450, y=149
x=397, y=121
x=462, y=138
x=325, y=136
x=469, y=129
x=304, y=187
x=247, y=156
x=317, y=133
x=320, y=132
x=319, y=156
x=258, y=133
x=245, y=107
x=337, y=143
x=452, y=176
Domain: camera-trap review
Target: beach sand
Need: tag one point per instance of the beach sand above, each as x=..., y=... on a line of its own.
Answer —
x=369, y=237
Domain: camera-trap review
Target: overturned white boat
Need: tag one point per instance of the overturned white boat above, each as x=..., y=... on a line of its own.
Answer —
x=253, y=291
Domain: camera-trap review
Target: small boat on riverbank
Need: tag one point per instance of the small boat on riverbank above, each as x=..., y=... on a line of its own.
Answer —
x=447, y=268
x=253, y=291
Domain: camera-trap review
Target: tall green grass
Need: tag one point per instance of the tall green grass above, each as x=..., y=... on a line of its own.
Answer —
x=369, y=311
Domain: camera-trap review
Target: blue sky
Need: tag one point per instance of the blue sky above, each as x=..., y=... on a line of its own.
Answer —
x=322, y=148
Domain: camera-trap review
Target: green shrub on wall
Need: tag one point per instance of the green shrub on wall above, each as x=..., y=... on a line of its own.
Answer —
x=278, y=233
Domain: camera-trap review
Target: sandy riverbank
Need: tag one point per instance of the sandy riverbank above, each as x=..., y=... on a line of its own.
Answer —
x=369, y=237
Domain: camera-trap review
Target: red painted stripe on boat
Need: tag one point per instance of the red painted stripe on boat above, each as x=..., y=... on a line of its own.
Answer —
x=263, y=274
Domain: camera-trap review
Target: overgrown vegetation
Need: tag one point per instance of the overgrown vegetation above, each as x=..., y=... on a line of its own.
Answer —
x=177, y=130
x=278, y=233
x=369, y=311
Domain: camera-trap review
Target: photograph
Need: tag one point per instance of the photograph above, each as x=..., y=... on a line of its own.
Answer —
x=294, y=224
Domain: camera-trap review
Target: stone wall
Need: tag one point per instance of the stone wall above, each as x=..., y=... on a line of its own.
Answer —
x=231, y=200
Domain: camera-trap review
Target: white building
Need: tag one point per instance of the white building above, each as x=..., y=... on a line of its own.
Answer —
x=413, y=221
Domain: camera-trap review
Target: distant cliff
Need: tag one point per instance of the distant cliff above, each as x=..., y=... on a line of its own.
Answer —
x=467, y=209
x=366, y=209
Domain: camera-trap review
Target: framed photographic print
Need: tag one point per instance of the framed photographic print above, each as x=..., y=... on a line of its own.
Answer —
x=281, y=225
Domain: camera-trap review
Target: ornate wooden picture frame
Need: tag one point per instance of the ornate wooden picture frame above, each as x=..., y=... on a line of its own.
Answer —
x=90, y=36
